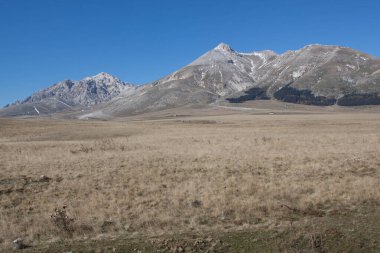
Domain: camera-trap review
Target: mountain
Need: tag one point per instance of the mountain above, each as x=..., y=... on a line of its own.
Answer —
x=70, y=95
x=217, y=73
x=321, y=75
x=315, y=75
x=223, y=70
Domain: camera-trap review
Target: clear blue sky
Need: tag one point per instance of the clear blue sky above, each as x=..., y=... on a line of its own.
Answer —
x=46, y=41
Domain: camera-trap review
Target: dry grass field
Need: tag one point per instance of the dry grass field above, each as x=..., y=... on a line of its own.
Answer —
x=193, y=176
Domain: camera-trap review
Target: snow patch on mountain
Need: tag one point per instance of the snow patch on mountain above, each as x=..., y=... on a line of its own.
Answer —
x=37, y=111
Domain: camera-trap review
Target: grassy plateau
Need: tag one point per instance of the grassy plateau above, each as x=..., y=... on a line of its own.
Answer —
x=222, y=183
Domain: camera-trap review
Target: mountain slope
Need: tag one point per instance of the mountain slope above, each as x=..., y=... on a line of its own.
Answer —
x=151, y=97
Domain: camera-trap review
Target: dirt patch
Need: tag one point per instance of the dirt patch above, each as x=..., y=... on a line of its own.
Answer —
x=22, y=184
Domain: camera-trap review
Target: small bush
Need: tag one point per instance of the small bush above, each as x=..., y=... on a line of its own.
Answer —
x=62, y=221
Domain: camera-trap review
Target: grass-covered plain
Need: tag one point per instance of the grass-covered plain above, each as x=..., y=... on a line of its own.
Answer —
x=241, y=183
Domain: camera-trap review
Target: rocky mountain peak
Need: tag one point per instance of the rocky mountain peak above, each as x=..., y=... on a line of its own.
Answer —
x=103, y=76
x=224, y=47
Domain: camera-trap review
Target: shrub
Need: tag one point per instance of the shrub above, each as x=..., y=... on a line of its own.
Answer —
x=62, y=221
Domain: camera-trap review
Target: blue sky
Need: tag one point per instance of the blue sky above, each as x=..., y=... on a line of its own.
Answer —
x=46, y=41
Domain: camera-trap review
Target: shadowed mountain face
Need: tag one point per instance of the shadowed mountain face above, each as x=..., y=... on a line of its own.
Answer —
x=314, y=75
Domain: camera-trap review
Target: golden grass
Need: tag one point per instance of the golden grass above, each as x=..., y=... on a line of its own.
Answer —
x=180, y=175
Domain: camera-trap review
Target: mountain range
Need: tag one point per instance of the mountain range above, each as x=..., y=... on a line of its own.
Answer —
x=314, y=75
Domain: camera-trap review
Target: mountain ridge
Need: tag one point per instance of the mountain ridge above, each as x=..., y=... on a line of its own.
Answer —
x=315, y=74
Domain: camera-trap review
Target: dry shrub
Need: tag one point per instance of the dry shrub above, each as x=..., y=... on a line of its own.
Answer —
x=62, y=221
x=317, y=243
